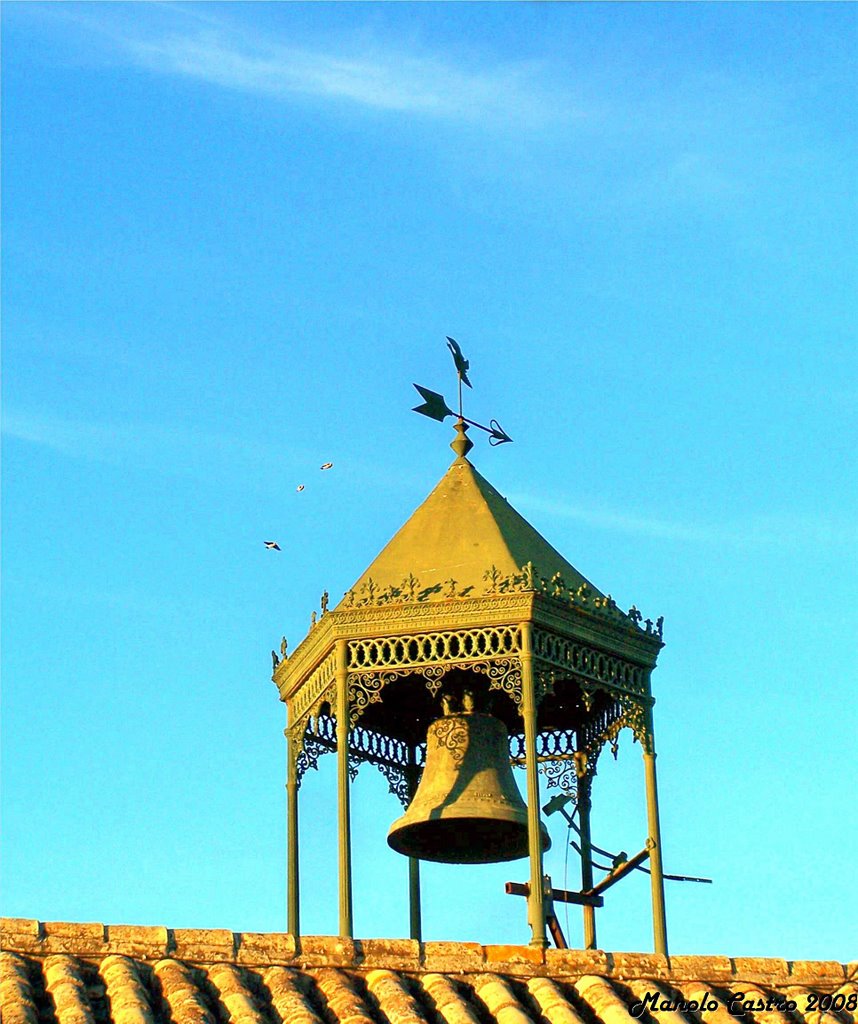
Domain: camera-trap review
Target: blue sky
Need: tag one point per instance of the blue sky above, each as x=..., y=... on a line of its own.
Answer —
x=234, y=235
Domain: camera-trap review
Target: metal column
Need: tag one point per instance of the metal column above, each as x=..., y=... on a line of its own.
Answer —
x=659, y=922
x=415, y=915
x=584, y=786
x=293, y=899
x=344, y=830
x=536, y=899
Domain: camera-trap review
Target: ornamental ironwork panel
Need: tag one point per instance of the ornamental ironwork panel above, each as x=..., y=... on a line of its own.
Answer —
x=375, y=662
x=391, y=756
x=402, y=768
x=555, y=757
x=453, y=646
x=504, y=674
x=581, y=660
x=315, y=689
x=606, y=724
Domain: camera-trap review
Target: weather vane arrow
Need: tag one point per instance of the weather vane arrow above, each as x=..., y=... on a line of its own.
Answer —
x=435, y=406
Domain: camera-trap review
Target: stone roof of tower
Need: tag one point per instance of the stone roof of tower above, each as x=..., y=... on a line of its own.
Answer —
x=97, y=974
x=464, y=529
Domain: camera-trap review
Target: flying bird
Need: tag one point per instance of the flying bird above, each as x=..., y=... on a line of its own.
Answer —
x=462, y=364
x=327, y=465
x=299, y=488
x=272, y=545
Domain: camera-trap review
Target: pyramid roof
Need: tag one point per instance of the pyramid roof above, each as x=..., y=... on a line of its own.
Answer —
x=464, y=531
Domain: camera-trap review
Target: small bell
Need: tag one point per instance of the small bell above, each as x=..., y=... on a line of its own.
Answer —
x=467, y=808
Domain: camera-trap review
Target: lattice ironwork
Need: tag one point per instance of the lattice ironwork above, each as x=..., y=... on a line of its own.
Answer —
x=454, y=646
x=365, y=687
x=373, y=663
x=504, y=674
x=398, y=782
x=312, y=742
x=555, y=753
x=555, y=747
x=374, y=746
x=318, y=687
x=606, y=724
x=391, y=756
x=579, y=659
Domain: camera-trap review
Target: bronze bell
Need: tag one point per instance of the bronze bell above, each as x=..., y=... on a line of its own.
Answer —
x=467, y=808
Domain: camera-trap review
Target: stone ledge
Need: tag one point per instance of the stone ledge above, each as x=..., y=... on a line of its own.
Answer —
x=327, y=951
x=702, y=968
x=638, y=965
x=573, y=963
x=514, y=956
x=264, y=949
x=271, y=949
x=390, y=954
x=205, y=944
x=814, y=971
x=453, y=957
x=760, y=969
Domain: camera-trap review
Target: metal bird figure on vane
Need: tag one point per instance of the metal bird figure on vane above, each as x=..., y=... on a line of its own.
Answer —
x=435, y=406
x=462, y=364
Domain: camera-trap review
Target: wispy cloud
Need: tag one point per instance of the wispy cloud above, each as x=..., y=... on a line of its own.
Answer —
x=181, y=451
x=169, y=448
x=385, y=77
x=787, y=530
x=185, y=452
x=420, y=85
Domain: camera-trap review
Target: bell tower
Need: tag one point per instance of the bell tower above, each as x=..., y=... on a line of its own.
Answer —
x=468, y=646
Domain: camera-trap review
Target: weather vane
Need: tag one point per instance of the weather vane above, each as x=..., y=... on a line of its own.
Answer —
x=435, y=406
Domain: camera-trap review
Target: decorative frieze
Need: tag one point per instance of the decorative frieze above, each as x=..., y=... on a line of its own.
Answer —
x=412, y=590
x=316, y=688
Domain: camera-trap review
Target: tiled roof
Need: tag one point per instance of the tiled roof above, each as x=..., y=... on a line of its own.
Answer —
x=96, y=974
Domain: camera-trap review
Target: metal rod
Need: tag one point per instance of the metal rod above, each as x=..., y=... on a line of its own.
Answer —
x=415, y=915
x=556, y=932
x=560, y=895
x=293, y=899
x=345, y=840
x=659, y=920
x=589, y=912
x=619, y=872
x=536, y=899
x=639, y=867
